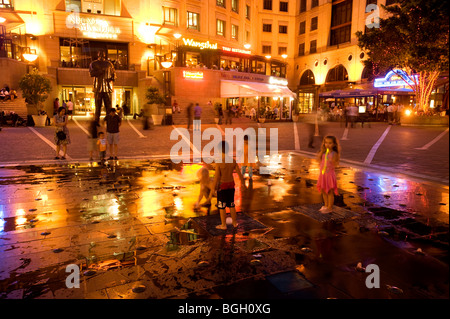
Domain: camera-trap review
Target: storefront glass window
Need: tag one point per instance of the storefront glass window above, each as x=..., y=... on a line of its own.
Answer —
x=305, y=102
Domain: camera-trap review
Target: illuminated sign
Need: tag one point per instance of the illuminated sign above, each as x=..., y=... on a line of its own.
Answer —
x=277, y=81
x=193, y=74
x=395, y=78
x=201, y=45
x=235, y=50
x=92, y=27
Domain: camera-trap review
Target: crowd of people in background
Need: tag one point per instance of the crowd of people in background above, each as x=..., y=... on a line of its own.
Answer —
x=7, y=94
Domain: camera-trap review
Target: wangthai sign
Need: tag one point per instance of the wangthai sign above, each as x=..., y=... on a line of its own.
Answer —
x=200, y=45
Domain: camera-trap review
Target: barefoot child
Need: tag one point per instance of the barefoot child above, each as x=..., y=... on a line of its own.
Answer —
x=225, y=182
x=206, y=187
x=327, y=185
x=101, y=143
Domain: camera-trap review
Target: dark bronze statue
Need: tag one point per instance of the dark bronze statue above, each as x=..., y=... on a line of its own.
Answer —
x=104, y=75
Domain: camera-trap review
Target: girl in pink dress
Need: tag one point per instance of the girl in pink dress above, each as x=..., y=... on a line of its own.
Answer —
x=327, y=185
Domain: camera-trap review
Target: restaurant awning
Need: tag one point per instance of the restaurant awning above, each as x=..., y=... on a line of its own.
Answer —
x=363, y=93
x=230, y=88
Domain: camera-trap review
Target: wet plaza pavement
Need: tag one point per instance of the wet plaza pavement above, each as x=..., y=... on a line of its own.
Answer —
x=132, y=230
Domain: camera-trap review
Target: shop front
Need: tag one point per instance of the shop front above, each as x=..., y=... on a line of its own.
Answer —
x=211, y=55
x=80, y=37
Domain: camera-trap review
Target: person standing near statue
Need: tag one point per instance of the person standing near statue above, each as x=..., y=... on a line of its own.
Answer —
x=104, y=75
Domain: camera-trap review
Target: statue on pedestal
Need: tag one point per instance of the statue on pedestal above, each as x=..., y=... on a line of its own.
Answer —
x=104, y=75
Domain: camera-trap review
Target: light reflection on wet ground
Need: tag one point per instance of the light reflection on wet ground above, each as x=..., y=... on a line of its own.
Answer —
x=132, y=213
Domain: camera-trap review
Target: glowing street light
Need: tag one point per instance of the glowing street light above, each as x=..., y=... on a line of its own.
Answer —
x=247, y=46
x=166, y=64
x=30, y=55
x=284, y=56
x=177, y=35
x=2, y=19
x=268, y=57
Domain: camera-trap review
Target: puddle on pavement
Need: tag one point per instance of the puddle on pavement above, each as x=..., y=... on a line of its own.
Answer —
x=161, y=195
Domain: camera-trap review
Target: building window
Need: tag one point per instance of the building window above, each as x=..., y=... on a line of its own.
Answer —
x=267, y=27
x=283, y=6
x=8, y=3
x=170, y=16
x=302, y=27
x=234, y=31
x=247, y=12
x=314, y=3
x=110, y=7
x=340, y=35
x=220, y=27
x=314, y=24
x=341, y=22
x=301, y=49
x=313, y=46
x=235, y=6
x=370, y=2
x=282, y=29
x=267, y=5
x=267, y=49
x=302, y=6
x=247, y=36
x=338, y=73
x=193, y=21
x=220, y=3
x=282, y=50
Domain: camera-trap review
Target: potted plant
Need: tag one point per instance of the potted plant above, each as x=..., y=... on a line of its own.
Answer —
x=154, y=101
x=35, y=88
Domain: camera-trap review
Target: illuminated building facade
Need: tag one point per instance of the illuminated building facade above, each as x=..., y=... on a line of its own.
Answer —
x=309, y=43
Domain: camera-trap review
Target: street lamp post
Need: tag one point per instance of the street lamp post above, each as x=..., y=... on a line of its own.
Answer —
x=167, y=81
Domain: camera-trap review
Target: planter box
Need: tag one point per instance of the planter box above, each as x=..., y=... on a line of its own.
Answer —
x=39, y=120
x=424, y=120
x=157, y=119
x=216, y=120
x=295, y=118
x=262, y=119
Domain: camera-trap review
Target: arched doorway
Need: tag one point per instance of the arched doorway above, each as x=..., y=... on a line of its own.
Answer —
x=307, y=92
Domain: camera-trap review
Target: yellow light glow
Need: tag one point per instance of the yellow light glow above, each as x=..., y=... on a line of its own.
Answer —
x=146, y=33
x=192, y=75
x=30, y=57
x=247, y=46
x=407, y=112
x=284, y=56
x=166, y=64
x=268, y=56
x=177, y=35
x=2, y=19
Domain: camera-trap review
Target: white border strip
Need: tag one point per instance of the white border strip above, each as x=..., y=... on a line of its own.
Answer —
x=136, y=130
x=81, y=127
x=426, y=146
x=374, y=149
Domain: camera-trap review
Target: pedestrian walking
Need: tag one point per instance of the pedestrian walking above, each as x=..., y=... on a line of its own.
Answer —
x=113, y=122
x=390, y=111
x=224, y=183
x=328, y=156
x=197, y=116
x=70, y=108
x=62, y=136
x=55, y=106
x=352, y=114
x=189, y=111
x=92, y=139
x=175, y=107
x=220, y=111
x=228, y=114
